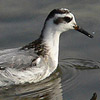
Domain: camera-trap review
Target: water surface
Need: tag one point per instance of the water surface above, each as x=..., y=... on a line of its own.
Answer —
x=78, y=75
x=75, y=79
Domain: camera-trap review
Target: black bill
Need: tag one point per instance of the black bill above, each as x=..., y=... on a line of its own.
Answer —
x=82, y=31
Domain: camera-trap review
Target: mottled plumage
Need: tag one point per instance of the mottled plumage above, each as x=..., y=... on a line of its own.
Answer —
x=37, y=60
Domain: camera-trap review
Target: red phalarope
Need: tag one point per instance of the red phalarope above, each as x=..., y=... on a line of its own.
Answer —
x=37, y=60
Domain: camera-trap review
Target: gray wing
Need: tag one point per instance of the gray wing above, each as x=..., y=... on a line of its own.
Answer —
x=16, y=58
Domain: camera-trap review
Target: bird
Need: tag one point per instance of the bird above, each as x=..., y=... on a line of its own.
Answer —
x=94, y=97
x=39, y=59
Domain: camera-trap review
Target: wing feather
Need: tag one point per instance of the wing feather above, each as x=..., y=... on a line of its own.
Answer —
x=15, y=58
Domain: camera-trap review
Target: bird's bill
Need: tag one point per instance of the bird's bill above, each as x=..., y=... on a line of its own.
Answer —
x=82, y=31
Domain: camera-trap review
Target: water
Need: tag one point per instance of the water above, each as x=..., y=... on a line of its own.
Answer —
x=78, y=73
x=67, y=82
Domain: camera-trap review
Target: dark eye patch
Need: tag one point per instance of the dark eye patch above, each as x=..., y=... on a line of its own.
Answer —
x=67, y=19
x=60, y=20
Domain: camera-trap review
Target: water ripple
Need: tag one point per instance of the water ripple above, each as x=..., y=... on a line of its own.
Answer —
x=81, y=64
x=63, y=80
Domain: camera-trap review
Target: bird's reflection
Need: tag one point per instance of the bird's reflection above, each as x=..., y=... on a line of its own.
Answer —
x=48, y=89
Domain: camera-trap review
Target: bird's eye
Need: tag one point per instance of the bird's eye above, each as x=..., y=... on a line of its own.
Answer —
x=67, y=19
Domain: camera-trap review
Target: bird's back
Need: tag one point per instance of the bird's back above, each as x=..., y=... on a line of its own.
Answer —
x=15, y=58
x=20, y=66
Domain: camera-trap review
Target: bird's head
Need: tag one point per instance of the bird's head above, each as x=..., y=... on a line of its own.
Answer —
x=62, y=20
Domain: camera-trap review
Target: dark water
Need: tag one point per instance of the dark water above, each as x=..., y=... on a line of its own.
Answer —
x=21, y=22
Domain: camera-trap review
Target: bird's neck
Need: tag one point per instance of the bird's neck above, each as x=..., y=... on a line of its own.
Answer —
x=51, y=39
